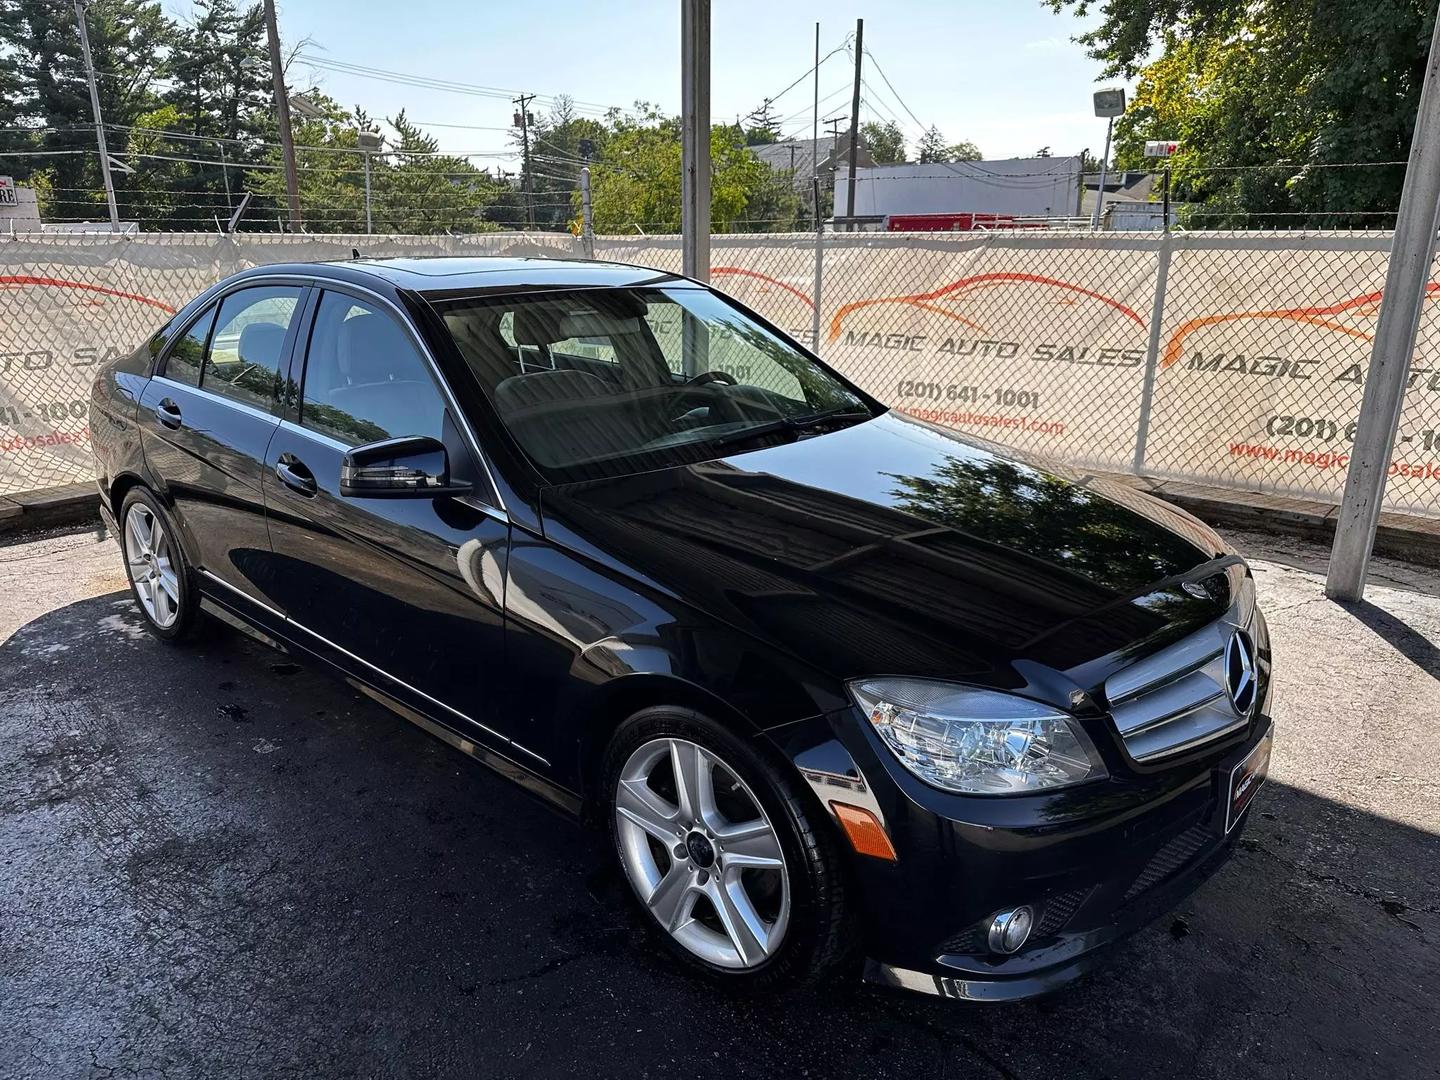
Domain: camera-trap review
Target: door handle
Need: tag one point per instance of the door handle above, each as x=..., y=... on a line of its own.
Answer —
x=168, y=413
x=294, y=475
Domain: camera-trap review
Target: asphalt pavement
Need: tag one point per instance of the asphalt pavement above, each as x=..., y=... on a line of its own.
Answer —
x=218, y=862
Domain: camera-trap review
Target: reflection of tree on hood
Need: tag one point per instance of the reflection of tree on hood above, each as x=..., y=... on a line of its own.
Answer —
x=1022, y=509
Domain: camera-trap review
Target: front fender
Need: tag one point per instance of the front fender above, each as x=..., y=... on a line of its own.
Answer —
x=590, y=643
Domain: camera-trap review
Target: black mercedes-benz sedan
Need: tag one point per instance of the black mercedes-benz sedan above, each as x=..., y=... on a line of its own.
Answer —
x=850, y=693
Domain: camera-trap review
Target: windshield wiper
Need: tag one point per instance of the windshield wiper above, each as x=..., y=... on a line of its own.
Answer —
x=844, y=415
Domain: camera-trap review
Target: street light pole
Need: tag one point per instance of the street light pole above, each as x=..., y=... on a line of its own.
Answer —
x=369, y=226
x=282, y=115
x=95, y=108
x=1109, y=104
x=1104, y=166
x=587, y=223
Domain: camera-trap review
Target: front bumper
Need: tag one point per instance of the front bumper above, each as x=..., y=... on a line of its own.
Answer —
x=1091, y=881
x=1050, y=966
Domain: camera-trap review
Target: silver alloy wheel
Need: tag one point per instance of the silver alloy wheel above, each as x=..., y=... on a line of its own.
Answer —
x=152, y=570
x=701, y=853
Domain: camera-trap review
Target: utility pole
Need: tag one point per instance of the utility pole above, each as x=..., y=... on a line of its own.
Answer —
x=1406, y=279
x=855, y=122
x=695, y=138
x=522, y=121
x=95, y=108
x=282, y=116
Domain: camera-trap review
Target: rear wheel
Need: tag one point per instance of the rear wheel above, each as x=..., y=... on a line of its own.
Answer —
x=720, y=852
x=160, y=577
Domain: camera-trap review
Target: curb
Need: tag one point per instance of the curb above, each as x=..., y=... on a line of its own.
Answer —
x=1399, y=536
x=73, y=504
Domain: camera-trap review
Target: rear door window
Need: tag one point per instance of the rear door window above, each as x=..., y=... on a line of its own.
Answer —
x=247, y=345
x=187, y=355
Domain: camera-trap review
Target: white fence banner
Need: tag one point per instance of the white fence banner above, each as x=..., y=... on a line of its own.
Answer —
x=1234, y=359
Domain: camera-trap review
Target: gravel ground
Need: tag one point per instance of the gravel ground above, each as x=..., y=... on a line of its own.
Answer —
x=217, y=862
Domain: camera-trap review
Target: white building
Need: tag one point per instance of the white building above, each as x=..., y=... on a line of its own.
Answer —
x=19, y=209
x=1028, y=187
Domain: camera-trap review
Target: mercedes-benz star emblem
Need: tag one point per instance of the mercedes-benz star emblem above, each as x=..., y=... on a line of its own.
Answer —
x=1240, y=673
x=1195, y=589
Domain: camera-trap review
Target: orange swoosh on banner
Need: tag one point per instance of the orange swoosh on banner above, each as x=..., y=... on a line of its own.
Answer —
x=966, y=282
x=1315, y=316
x=60, y=283
x=740, y=271
x=937, y=310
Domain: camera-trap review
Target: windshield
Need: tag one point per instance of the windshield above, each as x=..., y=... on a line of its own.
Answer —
x=601, y=382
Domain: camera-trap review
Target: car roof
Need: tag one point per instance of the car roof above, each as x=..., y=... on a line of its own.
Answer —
x=457, y=274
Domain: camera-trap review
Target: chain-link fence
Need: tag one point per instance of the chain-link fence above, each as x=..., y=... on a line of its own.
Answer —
x=1234, y=359
x=70, y=302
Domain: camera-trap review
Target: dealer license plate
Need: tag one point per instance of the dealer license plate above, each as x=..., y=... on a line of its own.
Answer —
x=1246, y=779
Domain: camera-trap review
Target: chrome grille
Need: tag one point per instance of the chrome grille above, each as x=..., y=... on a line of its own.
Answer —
x=1175, y=699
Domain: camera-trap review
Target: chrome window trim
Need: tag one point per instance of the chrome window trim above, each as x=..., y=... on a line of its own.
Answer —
x=219, y=399
x=319, y=281
x=288, y=621
x=318, y=436
x=213, y=297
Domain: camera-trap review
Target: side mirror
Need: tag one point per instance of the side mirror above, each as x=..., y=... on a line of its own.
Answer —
x=414, y=467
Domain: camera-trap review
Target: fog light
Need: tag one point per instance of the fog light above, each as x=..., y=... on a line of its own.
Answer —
x=1010, y=929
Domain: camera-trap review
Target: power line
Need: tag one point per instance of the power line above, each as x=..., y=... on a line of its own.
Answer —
x=881, y=72
x=475, y=90
x=810, y=71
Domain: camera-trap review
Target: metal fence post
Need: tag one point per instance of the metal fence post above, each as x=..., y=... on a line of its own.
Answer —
x=1152, y=353
x=695, y=138
x=1407, y=280
x=819, y=269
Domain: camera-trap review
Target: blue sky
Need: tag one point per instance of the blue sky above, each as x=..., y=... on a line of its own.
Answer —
x=1002, y=73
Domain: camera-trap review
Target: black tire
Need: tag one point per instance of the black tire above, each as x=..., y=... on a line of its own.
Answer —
x=820, y=939
x=187, y=622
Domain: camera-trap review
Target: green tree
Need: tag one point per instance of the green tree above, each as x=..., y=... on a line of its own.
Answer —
x=885, y=141
x=220, y=98
x=329, y=170
x=555, y=163
x=47, y=97
x=414, y=188
x=933, y=147
x=418, y=190
x=762, y=126
x=637, y=179
x=1266, y=97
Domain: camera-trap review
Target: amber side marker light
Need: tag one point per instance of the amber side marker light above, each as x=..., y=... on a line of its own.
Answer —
x=863, y=829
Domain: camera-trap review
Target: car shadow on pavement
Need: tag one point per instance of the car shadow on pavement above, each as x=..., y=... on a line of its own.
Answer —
x=215, y=860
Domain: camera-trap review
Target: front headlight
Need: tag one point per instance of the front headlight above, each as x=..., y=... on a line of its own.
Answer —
x=976, y=742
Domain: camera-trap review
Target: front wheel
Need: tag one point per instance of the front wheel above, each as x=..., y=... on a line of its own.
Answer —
x=721, y=852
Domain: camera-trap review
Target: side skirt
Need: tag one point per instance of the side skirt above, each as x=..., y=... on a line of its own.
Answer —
x=553, y=794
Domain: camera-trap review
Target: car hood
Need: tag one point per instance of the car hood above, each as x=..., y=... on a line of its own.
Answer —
x=896, y=547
